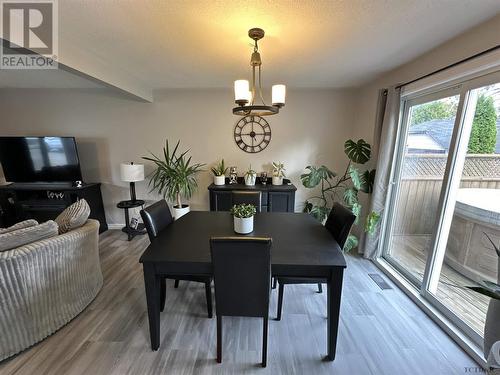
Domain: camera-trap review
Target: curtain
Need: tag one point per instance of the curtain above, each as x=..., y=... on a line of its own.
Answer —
x=384, y=141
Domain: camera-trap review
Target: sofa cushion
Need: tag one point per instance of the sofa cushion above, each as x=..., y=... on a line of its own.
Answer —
x=24, y=236
x=73, y=216
x=20, y=225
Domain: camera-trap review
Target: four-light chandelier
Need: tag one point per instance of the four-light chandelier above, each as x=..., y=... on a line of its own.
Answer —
x=245, y=95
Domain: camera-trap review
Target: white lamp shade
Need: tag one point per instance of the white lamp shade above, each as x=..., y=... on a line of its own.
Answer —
x=241, y=89
x=279, y=94
x=132, y=172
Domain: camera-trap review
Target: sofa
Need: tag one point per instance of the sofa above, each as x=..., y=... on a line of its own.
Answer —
x=45, y=284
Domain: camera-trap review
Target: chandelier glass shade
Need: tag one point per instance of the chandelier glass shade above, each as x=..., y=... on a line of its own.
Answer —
x=247, y=95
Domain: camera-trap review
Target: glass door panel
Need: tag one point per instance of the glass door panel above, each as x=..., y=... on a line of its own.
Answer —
x=473, y=212
x=424, y=145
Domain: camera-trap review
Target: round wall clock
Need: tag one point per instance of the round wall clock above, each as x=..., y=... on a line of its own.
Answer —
x=252, y=134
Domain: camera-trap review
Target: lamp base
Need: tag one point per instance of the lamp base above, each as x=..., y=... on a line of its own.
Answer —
x=132, y=192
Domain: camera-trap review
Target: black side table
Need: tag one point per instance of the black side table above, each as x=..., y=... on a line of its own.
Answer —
x=126, y=205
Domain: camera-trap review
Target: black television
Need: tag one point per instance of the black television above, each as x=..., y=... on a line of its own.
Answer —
x=40, y=159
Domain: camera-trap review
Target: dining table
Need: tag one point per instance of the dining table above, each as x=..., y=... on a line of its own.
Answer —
x=301, y=247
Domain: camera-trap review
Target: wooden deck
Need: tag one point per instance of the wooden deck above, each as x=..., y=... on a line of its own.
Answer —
x=411, y=253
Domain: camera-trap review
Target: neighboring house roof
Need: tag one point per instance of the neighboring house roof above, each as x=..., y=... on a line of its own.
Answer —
x=424, y=137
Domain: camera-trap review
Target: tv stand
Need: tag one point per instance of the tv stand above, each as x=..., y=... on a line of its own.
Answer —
x=44, y=201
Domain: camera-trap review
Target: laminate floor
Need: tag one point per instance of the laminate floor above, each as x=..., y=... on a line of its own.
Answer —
x=381, y=331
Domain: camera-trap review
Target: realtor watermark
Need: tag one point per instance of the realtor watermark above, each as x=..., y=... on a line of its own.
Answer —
x=29, y=34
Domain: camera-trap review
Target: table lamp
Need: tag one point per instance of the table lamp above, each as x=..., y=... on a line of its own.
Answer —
x=132, y=173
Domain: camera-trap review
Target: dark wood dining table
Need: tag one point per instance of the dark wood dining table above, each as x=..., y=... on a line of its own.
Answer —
x=302, y=247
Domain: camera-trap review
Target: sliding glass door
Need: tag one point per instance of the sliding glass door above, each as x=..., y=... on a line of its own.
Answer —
x=443, y=211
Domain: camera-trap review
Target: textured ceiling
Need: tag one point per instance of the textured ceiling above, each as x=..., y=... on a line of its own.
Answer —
x=184, y=43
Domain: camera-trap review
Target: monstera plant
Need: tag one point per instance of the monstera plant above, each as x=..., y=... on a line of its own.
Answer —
x=344, y=188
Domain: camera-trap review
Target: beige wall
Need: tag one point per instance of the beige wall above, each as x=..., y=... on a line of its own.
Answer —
x=473, y=41
x=110, y=129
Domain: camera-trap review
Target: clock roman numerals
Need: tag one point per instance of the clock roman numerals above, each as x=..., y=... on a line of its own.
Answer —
x=252, y=134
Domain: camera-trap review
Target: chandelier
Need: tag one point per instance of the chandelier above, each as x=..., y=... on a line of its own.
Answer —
x=245, y=95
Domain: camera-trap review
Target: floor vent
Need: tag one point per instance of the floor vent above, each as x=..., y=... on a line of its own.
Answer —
x=379, y=280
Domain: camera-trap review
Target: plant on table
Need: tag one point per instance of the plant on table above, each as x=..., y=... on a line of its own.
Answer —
x=219, y=172
x=175, y=175
x=250, y=177
x=342, y=188
x=243, y=217
x=278, y=173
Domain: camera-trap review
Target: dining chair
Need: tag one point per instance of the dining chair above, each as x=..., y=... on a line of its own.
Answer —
x=247, y=197
x=242, y=276
x=157, y=217
x=338, y=223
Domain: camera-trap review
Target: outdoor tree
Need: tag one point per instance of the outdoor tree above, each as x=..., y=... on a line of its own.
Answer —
x=435, y=110
x=483, y=136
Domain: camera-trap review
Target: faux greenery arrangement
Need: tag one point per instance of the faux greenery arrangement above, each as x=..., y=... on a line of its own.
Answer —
x=243, y=211
x=487, y=288
x=345, y=187
x=175, y=176
x=220, y=169
x=278, y=169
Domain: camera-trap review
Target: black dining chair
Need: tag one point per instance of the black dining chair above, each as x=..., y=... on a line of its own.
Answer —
x=338, y=223
x=247, y=197
x=242, y=276
x=157, y=218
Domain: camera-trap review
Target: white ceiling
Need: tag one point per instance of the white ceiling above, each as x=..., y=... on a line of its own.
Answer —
x=204, y=44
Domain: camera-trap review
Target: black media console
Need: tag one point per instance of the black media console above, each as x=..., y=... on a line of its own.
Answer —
x=44, y=201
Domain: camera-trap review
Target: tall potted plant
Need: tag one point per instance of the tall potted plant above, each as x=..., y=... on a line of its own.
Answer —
x=491, y=325
x=219, y=172
x=345, y=187
x=174, y=177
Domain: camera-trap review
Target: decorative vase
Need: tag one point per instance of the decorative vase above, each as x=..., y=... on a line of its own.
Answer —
x=491, y=326
x=250, y=179
x=277, y=180
x=219, y=180
x=179, y=212
x=243, y=225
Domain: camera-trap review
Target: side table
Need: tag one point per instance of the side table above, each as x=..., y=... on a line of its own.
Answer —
x=126, y=205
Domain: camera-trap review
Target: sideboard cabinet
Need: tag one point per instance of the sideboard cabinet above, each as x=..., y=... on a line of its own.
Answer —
x=275, y=198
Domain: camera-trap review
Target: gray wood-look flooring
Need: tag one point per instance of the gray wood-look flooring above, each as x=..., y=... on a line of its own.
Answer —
x=381, y=332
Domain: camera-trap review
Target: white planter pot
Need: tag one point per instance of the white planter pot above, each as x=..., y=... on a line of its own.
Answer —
x=277, y=180
x=219, y=180
x=250, y=179
x=491, y=326
x=243, y=225
x=179, y=212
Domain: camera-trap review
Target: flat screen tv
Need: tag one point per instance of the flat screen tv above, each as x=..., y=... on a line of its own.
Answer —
x=40, y=159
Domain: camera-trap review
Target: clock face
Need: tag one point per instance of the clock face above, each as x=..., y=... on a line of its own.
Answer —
x=252, y=134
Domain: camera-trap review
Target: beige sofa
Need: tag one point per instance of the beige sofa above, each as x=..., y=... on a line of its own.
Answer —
x=45, y=284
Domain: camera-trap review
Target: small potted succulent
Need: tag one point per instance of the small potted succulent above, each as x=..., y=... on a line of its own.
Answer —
x=250, y=177
x=243, y=217
x=278, y=173
x=219, y=172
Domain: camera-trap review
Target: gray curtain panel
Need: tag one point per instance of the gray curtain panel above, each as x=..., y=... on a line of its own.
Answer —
x=386, y=127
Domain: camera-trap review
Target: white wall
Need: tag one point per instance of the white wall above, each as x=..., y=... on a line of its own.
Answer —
x=109, y=128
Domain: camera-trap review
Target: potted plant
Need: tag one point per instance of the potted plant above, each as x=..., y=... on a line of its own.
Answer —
x=174, y=177
x=491, y=326
x=278, y=173
x=219, y=172
x=250, y=177
x=344, y=187
x=243, y=217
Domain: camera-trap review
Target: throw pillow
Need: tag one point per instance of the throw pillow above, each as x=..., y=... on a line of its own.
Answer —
x=73, y=216
x=20, y=225
x=24, y=236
